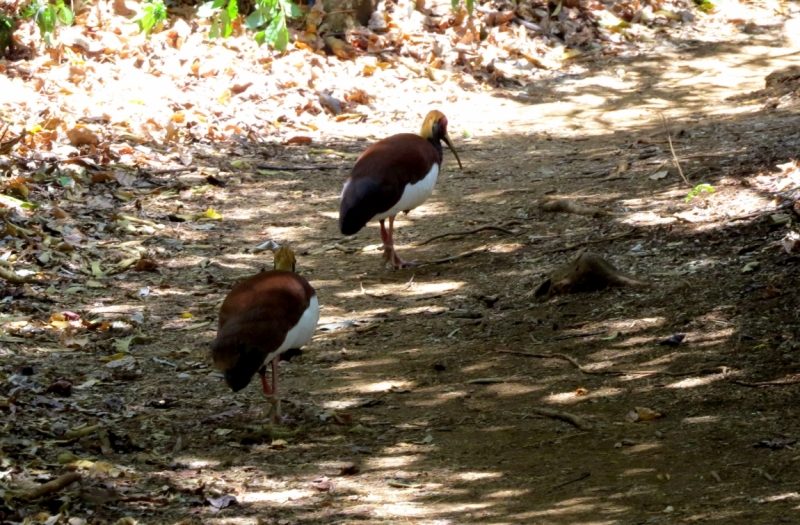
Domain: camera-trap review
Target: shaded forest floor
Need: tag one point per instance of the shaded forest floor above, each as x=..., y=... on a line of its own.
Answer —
x=409, y=409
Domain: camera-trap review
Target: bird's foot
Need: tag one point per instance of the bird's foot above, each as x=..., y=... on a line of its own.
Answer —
x=392, y=261
x=274, y=414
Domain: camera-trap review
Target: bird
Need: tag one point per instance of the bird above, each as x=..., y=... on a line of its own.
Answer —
x=395, y=174
x=264, y=317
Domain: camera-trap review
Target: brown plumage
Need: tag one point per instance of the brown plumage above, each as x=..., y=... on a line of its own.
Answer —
x=262, y=318
x=395, y=174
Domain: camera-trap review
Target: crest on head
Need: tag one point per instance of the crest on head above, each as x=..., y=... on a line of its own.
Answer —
x=284, y=259
x=434, y=127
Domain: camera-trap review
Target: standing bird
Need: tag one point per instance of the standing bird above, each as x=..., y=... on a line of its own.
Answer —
x=262, y=318
x=395, y=174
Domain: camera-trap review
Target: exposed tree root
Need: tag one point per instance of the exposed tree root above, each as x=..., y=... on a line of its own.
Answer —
x=55, y=485
x=572, y=419
x=572, y=206
x=476, y=230
x=470, y=253
x=587, y=272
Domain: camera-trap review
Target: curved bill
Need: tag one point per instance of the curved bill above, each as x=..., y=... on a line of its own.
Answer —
x=450, y=145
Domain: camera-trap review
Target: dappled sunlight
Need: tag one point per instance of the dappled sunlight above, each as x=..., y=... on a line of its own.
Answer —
x=641, y=448
x=575, y=506
x=694, y=382
x=571, y=398
x=439, y=399
x=638, y=472
x=404, y=290
x=348, y=365
x=695, y=420
x=510, y=389
x=393, y=462
x=278, y=496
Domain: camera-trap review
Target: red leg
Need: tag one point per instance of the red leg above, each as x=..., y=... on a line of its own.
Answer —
x=275, y=376
x=385, y=236
x=264, y=385
x=389, y=255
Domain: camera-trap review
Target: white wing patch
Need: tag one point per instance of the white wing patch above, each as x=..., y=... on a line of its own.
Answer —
x=302, y=332
x=414, y=194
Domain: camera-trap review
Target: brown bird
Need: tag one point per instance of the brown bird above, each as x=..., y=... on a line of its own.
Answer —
x=395, y=174
x=262, y=318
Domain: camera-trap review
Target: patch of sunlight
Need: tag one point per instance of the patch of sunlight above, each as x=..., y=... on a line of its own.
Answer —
x=781, y=497
x=700, y=419
x=713, y=338
x=485, y=196
x=439, y=287
x=341, y=404
x=393, y=462
x=232, y=521
x=475, y=476
x=359, y=364
x=568, y=398
x=694, y=382
x=276, y=496
x=647, y=218
x=510, y=493
x=417, y=510
x=322, y=283
x=588, y=101
x=506, y=248
x=638, y=471
x=423, y=310
x=477, y=367
x=440, y=399
x=194, y=462
x=641, y=448
x=330, y=214
x=513, y=389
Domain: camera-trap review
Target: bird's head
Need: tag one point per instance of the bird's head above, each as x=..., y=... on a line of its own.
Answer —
x=434, y=127
x=284, y=259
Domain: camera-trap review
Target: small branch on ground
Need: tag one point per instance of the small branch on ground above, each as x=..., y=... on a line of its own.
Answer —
x=12, y=277
x=587, y=243
x=476, y=230
x=579, y=478
x=588, y=371
x=55, y=485
x=169, y=171
x=587, y=272
x=672, y=149
x=565, y=357
x=791, y=380
x=572, y=206
x=470, y=253
x=302, y=168
x=572, y=419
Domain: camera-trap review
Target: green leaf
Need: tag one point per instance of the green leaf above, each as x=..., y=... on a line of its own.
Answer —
x=454, y=3
x=260, y=38
x=65, y=15
x=214, y=31
x=233, y=9
x=470, y=6
x=255, y=20
x=699, y=189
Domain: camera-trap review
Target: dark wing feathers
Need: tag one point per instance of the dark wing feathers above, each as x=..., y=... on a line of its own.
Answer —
x=380, y=175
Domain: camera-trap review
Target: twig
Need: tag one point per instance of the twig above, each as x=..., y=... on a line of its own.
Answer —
x=587, y=243
x=14, y=278
x=565, y=357
x=470, y=253
x=169, y=170
x=763, y=384
x=470, y=232
x=589, y=371
x=672, y=149
x=52, y=486
x=579, y=478
x=572, y=419
x=302, y=168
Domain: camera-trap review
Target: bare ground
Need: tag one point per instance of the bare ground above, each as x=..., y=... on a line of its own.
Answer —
x=411, y=405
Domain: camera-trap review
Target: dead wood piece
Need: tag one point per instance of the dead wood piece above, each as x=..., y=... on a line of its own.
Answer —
x=572, y=206
x=579, y=478
x=586, y=273
x=572, y=419
x=55, y=485
x=476, y=230
x=12, y=277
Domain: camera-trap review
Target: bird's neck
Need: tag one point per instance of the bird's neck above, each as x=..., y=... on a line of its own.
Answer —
x=437, y=145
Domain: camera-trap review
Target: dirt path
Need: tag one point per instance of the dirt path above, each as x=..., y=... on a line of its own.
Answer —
x=410, y=411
